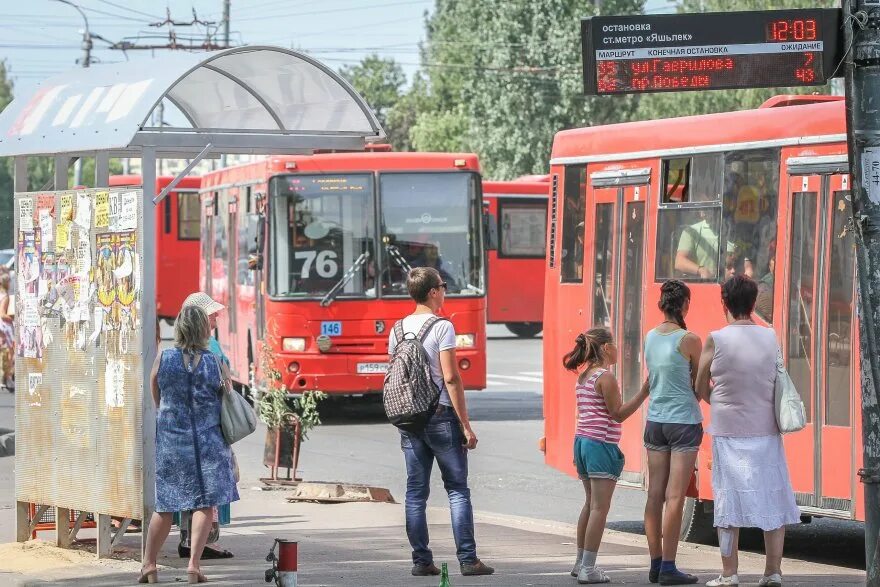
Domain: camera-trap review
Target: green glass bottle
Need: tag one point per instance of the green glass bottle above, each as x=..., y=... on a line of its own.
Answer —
x=444, y=576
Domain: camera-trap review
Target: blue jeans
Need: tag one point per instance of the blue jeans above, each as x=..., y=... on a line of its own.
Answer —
x=442, y=439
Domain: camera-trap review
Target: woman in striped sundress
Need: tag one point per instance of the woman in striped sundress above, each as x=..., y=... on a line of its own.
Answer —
x=598, y=460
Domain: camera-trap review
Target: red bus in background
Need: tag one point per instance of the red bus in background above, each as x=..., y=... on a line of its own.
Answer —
x=177, y=240
x=771, y=187
x=516, y=267
x=310, y=255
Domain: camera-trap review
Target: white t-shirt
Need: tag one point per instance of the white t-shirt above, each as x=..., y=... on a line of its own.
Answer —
x=441, y=338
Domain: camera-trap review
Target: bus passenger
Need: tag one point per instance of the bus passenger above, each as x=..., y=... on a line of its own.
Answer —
x=750, y=479
x=597, y=457
x=673, y=431
x=697, y=253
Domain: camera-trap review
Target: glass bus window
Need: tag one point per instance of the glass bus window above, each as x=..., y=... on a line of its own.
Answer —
x=432, y=220
x=522, y=228
x=321, y=227
x=841, y=278
x=207, y=236
x=751, y=196
x=221, y=243
x=188, y=216
x=574, y=202
x=603, y=279
x=687, y=243
x=633, y=247
x=692, y=179
x=800, y=303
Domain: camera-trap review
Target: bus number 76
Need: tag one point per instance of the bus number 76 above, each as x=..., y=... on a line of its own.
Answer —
x=324, y=262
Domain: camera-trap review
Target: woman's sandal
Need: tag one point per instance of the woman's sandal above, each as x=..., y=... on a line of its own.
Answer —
x=149, y=576
x=193, y=577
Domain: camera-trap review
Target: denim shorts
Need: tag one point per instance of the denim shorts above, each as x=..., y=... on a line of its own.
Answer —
x=673, y=437
x=597, y=460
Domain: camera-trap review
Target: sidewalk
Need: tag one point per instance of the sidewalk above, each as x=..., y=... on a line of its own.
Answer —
x=360, y=545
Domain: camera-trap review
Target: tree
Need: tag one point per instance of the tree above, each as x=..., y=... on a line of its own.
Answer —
x=6, y=187
x=380, y=81
x=504, y=77
x=673, y=104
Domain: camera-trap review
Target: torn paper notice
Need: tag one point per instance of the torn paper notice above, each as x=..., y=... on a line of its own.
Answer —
x=83, y=216
x=26, y=214
x=47, y=228
x=114, y=383
x=871, y=173
x=128, y=211
x=102, y=209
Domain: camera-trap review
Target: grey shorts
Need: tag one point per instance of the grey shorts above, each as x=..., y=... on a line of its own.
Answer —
x=673, y=437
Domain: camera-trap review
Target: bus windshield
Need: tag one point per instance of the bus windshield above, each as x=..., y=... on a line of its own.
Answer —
x=321, y=226
x=431, y=220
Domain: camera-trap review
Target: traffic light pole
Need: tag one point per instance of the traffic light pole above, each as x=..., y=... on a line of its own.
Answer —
x=862, y=39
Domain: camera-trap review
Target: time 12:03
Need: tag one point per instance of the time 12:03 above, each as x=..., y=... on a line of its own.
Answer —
x=802, y=29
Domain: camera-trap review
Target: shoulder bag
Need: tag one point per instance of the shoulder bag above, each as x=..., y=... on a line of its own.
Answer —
x=237, y=418
x=791, y=415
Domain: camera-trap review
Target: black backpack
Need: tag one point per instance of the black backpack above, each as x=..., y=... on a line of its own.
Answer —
x=409, y=393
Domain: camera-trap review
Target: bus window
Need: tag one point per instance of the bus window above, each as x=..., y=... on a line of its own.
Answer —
x=841, y=265
x=604, y=282
x=574, y=204
x=322, y=227
x=800, y=302
x=751, y=196
x=188, y=216
x=523, y=228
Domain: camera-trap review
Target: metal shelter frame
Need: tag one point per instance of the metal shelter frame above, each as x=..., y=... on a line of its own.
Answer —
x=257, y=100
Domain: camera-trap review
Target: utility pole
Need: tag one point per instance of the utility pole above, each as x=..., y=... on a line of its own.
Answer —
x=86, y=61
x=226, y=7
x=862, y=39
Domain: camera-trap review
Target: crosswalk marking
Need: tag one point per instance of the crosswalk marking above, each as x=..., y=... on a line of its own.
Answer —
x=533, y=373
x=524, y=378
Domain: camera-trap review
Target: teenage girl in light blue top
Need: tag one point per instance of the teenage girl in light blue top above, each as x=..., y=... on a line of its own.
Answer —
x=673, y=431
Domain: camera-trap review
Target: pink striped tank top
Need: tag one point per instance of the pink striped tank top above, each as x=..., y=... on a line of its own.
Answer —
x=593, y=420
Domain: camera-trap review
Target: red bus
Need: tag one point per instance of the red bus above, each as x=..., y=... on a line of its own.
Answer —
x=177, y=241
x=331, y=238
x=516, y=267
x=771, y=184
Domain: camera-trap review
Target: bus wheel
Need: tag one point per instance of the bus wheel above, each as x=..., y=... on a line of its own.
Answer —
x=525, y=329
x=697, y=522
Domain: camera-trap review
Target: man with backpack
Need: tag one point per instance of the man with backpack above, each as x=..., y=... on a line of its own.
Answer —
x=424, y=398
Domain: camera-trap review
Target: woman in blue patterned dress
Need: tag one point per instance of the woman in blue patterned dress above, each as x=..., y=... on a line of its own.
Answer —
x=193, y=461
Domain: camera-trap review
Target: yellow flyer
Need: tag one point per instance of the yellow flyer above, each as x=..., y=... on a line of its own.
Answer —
x=102, y=209
x=66, y=214
x=62, y=236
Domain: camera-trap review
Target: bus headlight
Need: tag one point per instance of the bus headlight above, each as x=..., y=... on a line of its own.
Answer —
x=464, y=341
x=293, y=345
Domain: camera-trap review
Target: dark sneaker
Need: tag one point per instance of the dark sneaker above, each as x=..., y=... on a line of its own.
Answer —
x=676, y=577
x=653, y=575
x=476, y=568
x=425, y=571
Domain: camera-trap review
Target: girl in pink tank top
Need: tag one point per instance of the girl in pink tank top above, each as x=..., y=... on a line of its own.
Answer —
x=597, y=457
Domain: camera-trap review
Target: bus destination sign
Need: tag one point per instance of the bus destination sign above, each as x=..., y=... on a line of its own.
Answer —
x=710, y=50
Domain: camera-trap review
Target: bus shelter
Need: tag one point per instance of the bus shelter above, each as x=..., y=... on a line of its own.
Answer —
x=86, y=268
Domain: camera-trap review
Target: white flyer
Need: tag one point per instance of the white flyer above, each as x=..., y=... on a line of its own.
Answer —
x=34, y=381
x=114, y=383
x=128, y=211
x=83, y=211
x=30, y=315
x=114, y=211
x=26, y=214
x=47, y=228
x=871, y=173
x=84, y=255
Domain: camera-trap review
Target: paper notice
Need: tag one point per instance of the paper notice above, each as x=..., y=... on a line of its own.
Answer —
x=30, y=316
x=34, y=381
x=62, y=237
x=46, y=226
x=66, y=214
x=114, y=383
x=26, y=214
x=83, y=256
x=102, y=209
x=871, y=173
x=128, y=211
x=83, y=211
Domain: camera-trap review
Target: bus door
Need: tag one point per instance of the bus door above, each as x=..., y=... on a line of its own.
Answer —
x=618, y=233
x=232, y=345
x=819, y=333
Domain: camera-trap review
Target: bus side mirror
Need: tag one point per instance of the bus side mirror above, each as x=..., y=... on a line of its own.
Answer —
x=490, y=231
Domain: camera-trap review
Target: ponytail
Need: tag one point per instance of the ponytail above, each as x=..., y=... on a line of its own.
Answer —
x=673, y=295
x=587, y=348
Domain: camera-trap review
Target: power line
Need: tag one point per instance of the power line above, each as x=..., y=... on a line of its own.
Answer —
x=127, y=9
x=119, y=16
x=349, y=9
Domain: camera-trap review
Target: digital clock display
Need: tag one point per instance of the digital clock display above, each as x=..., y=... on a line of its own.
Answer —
x=676, y=52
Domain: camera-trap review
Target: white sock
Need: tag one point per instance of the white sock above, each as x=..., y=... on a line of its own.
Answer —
x=589, y=559
x=580, y=555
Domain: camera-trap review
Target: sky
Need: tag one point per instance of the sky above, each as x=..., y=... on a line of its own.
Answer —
x=40, y=38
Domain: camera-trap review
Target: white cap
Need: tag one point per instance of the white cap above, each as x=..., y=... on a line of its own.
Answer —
x=203, y=301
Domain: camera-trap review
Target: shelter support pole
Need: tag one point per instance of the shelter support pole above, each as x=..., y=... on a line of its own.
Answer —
x=170, y=187
x=148, y=333
x=105, y=536
x=62, y=163
x=22, y=508
x=62, y=527
x=102, y=169
x=862, y=36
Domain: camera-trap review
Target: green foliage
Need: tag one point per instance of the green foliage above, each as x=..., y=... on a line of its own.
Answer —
x=504, y=77
x=380, y=81
x=278, y=408
x=673, y=104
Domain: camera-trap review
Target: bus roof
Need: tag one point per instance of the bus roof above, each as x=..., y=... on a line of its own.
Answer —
x=794, y=124
x=515, y=187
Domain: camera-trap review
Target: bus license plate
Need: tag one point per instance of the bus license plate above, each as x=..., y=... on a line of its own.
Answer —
x=371, y=368
x=331, y=328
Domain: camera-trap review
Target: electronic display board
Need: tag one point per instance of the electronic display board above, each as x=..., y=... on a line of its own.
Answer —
x=710, y=50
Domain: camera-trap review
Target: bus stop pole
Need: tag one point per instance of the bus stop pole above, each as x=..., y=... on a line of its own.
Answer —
x=862, y=48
